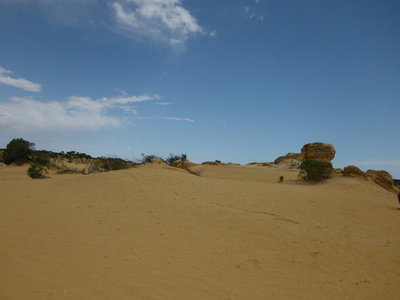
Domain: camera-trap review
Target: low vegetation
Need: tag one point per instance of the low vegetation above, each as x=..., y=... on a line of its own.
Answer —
x=314, y=170
x=146, y=158
x=113, y=163
x=37, y=171
x=20, y=151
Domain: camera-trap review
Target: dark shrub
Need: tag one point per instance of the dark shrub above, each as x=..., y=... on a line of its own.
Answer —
x=42, y=159
x=147, y=158
x=18, y=150
x=36, y=171
x=113, y=163
x=172, y=159
x=314, y=170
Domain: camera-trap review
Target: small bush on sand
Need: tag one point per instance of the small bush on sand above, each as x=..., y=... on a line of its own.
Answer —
x=36, y=171
x=173, y=159
x=281, y=178
x=146, y=158
x=314, y=170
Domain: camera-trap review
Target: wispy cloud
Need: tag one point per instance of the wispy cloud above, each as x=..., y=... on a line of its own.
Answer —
x=75, y=113
x=164, y=103
x=20, y=83
x=177, y=119
x=165, y=118
x=213, y=33
x=251, y=12
x=161, y=20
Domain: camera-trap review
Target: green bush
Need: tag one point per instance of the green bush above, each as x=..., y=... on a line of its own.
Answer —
x=113, y=163
x=36, y=171
x=173, y=159
x=42, y=159
x=281, y=178
x=314, y=170
x=146, y=158
x=18, y=150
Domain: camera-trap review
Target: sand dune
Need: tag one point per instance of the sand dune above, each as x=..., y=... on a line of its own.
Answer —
x=156, y=232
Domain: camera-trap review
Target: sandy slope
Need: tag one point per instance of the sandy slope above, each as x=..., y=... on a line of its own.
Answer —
x=155, y=232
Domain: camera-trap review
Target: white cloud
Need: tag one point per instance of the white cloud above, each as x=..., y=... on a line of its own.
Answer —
x=162, y=20
x=125, y=99
x=251, y=13
x=83, y=113
x=165, y=118
x=177, y=119
x=213, y=33
x=164, y=103
x=165, y=21
x=19, y=82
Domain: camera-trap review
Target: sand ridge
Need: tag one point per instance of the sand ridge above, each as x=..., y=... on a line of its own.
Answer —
x=156, y=232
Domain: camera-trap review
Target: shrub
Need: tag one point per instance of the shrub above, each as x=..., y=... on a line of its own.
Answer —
x=147, y=158
x=314, y=170
x=172, y=159
x=113, y=163
x=36, y=171
x=281, y=178
x=42, y=159
x=18, y=150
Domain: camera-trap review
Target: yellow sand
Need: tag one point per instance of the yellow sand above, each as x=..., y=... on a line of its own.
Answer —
x=155, y=232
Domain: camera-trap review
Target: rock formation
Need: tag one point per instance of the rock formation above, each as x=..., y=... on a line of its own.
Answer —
x=318, y=151
x=314, y=151
x=353, y=171
x=382, y=178
x=296, y=156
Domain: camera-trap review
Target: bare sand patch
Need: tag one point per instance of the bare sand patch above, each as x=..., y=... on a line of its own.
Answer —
x=156, y=232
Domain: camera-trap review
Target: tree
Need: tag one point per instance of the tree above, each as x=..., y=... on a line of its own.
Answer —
x=18, y=150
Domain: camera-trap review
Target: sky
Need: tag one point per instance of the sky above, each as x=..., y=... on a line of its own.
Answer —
x=237, y=81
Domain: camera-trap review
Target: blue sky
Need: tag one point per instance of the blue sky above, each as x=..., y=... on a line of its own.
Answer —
x=237, y=81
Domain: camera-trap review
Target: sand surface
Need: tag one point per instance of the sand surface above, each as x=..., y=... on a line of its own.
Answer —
x=155, y=232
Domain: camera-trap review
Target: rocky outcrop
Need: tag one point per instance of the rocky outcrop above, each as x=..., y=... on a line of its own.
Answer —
x=313, y=151
x=338, y=171
x=318, y=151
x=382, y=178
x=353, y=171
x=292, y=156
